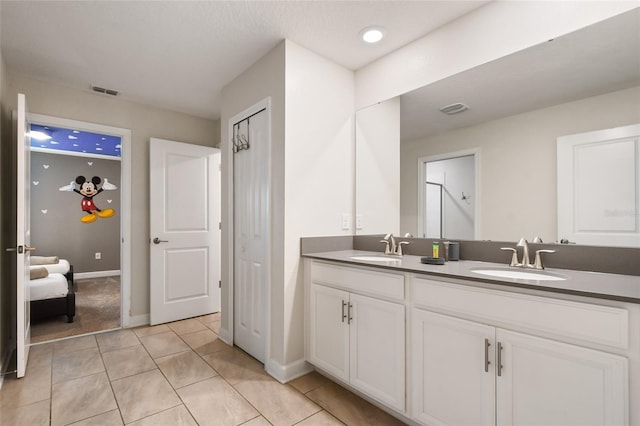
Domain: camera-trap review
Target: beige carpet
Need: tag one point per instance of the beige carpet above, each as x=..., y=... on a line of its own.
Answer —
x=97, y=309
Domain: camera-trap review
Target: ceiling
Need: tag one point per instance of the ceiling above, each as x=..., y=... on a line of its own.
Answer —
x=178, y=55
x=599, y=59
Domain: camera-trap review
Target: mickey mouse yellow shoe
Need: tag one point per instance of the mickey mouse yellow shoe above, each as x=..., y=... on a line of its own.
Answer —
x=106, y=213
x=89, y=218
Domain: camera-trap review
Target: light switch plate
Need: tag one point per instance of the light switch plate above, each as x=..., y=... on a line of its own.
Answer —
x=359, y=222
x=346, y=221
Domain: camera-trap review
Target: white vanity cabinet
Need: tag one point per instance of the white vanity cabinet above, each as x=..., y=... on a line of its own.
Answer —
x=470, y=367
x=356, y=329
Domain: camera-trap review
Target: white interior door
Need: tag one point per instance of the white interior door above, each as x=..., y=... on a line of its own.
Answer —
x=185, y=233
x=251, y=234
x=599, y=187
x=23, y=248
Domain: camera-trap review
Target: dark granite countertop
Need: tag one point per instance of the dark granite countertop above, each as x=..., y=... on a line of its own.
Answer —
x=590, y=284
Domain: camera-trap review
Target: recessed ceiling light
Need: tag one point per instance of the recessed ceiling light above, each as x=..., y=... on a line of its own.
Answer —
x=372, y=34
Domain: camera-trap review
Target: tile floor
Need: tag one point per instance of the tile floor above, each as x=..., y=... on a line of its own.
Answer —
x=172, y=374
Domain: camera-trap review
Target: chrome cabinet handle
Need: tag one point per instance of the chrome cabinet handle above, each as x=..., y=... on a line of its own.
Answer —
x=344, y=316
x=349, y=306
x=499, y=363
x=486, y=355
x=157, y=240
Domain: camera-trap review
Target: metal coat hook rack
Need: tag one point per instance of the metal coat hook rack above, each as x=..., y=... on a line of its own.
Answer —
x=241, y=140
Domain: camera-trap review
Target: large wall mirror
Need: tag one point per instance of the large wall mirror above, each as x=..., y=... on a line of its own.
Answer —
x=519, y=106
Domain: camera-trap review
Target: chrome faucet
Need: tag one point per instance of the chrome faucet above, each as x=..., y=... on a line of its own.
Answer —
x=538, y=262
x=391, y=246
x=526, y=260
x=390, y=242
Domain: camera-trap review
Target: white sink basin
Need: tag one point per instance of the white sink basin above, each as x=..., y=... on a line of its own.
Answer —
x=376, y=258
x=520, y=274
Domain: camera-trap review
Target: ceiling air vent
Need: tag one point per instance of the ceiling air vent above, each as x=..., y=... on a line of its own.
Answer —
x=454, y=108
x=104, y=91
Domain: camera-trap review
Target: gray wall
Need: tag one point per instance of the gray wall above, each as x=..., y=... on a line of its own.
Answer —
x=56, y=229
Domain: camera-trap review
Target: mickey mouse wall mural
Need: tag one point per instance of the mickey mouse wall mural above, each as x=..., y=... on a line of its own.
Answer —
x=89, y=189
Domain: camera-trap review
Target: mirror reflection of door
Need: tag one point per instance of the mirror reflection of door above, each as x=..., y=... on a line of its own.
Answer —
x=450, y=198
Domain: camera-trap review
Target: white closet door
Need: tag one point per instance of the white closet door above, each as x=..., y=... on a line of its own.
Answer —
x=251, y=236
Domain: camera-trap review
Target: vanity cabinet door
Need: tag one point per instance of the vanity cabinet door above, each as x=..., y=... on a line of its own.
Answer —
x=377, y=349
x=453, y=379
x=329, y=330
x=544, y=382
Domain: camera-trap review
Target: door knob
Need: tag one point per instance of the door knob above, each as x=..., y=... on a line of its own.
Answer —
x=157, y=240
x=20, y=249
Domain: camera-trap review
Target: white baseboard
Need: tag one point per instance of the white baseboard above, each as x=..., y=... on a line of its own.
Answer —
x=286, y=373
x=137, y=321
x=95, y=274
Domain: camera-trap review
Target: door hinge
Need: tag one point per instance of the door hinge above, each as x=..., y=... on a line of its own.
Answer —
x=220, y=284
x=220, y=225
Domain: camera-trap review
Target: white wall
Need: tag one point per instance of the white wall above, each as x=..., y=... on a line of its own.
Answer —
x=490, y=32
x=378, y=168
x=311, y=176
x=264, y=79
x=319, y=175
x=517, y=162
x=144, y=122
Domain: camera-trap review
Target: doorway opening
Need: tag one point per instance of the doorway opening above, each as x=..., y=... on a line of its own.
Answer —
x=80, y=215
x=447, y=196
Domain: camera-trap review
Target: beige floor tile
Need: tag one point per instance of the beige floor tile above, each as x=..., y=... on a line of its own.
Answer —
x=258, y=421
x=163, y=344
x=33, y=387
x=110, y=418
x=80, y=399
x=308, y=382
x=348, y=407
x=216, y=399
x=204, y=342
x=40, y=356
x=143, y=395
x=74, y=344
x=186, y=326
x=184, y=368
x=72, y=365
x=214, y=326
x=235, y=366
x=127, y=362
x=149, y=330
x=176, y=416
x=205, y=319
x=36, y=414
x=278, y=403
x=116, y=340
x=321, y=418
